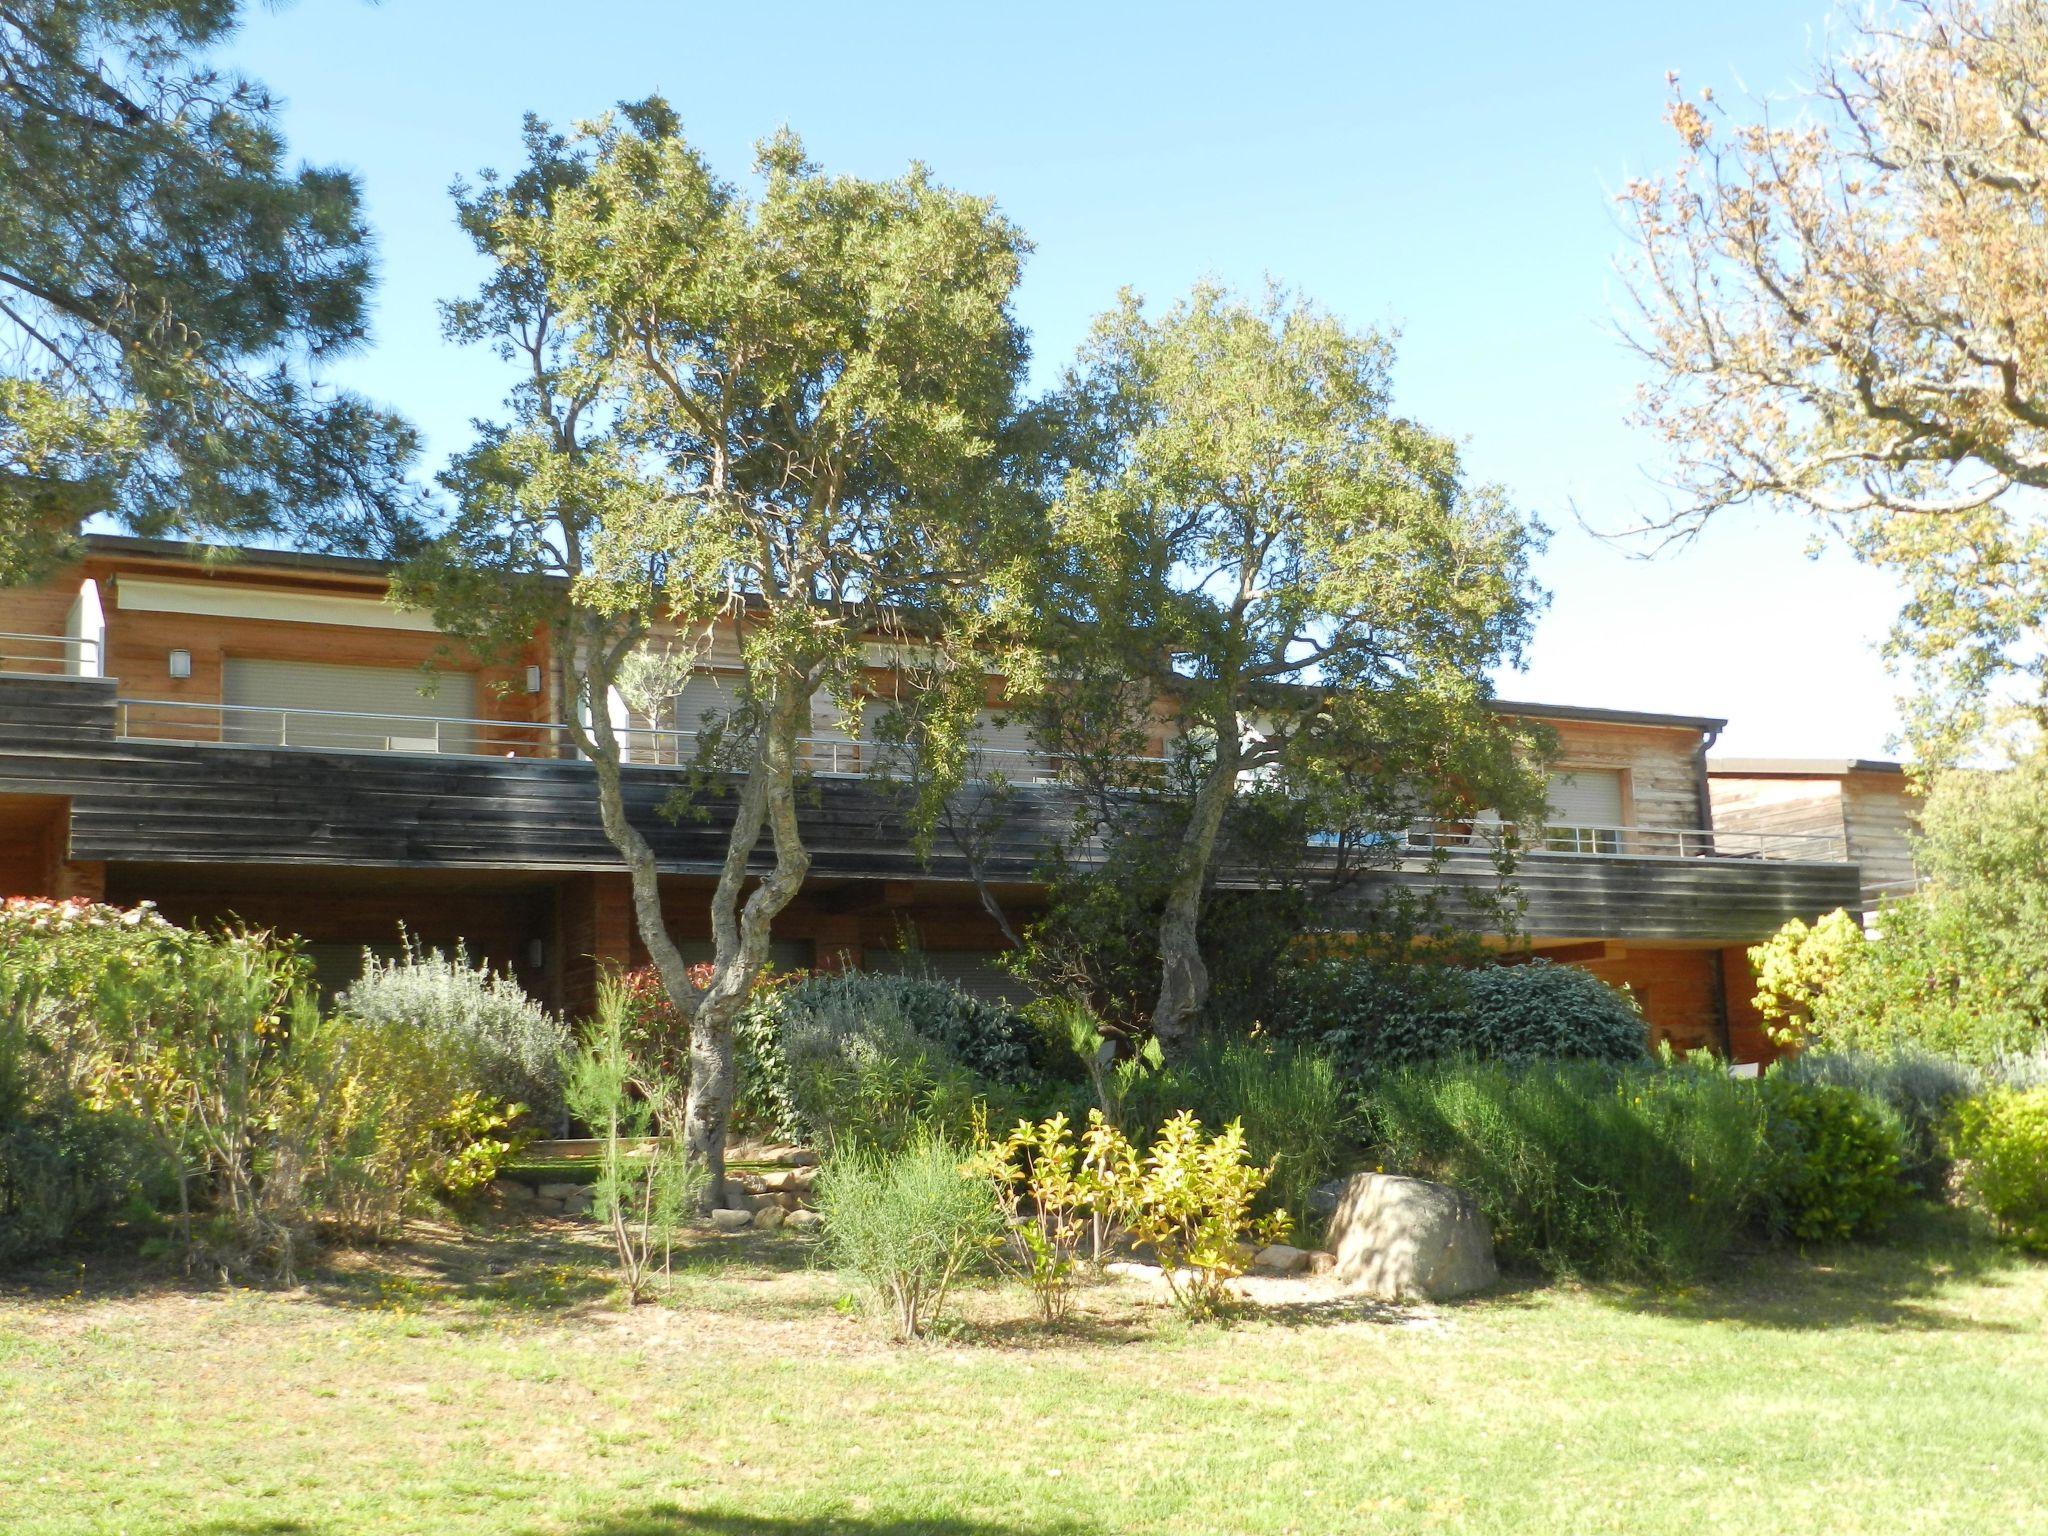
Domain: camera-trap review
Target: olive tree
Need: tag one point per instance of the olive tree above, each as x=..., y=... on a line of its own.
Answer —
x=771, y=416
x=1845, y=316
x=1256, y=561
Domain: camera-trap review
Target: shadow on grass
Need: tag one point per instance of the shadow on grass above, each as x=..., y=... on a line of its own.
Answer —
x=1899, y=1283
x=670, y=1520
x=673, y=1520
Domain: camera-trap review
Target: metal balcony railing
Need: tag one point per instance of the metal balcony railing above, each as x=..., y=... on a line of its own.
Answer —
x=257, y=725
x=1629, y=842
x=50, y=655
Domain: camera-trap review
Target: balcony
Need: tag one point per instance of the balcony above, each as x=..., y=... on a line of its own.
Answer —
x=50, y=655
x=1617, y=842
x=190, y=721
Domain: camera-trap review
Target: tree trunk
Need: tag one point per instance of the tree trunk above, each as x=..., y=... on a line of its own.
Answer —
x=740, y=933
x=1183, y=978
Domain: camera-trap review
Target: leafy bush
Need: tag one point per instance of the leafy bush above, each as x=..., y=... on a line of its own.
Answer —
x=906, y=1224
x=1374, y=1016
x=877, y=1059
x=1839, y=1160
x=1189, y=1198
x=194, y=1038
x=1586, y=1169
x=1296, y=1113
x=2001, y=1138
x=1050, y=1200
x=64, y=1167
x=512, y=1045
x=1918, y=1087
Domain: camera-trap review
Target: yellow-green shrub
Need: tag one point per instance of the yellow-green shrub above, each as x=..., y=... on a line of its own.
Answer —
x=2001, y=1140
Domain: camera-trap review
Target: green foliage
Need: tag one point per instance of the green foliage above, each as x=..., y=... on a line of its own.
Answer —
x=171, y=280
x=646, y=1179
x=1796, y=968
x=196, y=1038
x=906, y=1224
x=1839, y=1157
x=1374, y=1016
x=1244, y=512
x=1918, y=1087
x=2001, y=1140
x=64, y=1167
x=511, y=1048
x=1643, y=1173
x=1294, y=1112
x=1051, y=1200
x=864, y=1056
x=1188, y=1198
x=1959, y=967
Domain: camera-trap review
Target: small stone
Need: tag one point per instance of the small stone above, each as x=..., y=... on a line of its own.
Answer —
x=1279, y=1259
x=752, y=1183
x=548, y=1207
x=559, y=1191
x=768, y=1218
x=578, y=1204
x=783, y=1179
x=803, y=1221
x=1321, y=1263
x=1128, y=1269
x=729, y=1220
x=513, y=1190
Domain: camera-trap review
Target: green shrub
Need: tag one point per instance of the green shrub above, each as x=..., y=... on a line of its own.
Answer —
x=905, y=1225
x=1918, y=1087
x=1297, y=1114
x=513, y=1046
x=623, y=1093
x=64, y=1167
x=1644, y=1173
x=1374, y=1016
x=877, y=1059
x=1189, y=1199
x=2001, y=1138
x=1839, y=1165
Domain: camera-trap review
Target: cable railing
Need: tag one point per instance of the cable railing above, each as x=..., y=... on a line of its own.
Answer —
x=266, y=725
x=50, y=655
x=1615, y=842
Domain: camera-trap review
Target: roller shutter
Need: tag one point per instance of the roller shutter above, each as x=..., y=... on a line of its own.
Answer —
x=1581, y=800
x=320, y=704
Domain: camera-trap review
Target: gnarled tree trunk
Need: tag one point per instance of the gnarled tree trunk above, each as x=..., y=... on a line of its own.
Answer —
x=1183, y=977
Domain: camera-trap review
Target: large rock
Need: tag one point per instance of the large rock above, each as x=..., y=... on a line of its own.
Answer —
x=728, y=1220
x=1410, y=1240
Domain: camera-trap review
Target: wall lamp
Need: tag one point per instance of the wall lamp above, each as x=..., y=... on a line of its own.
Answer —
x=181, y=663
x=533, y=679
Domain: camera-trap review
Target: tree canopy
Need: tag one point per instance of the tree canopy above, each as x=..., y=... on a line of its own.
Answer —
x=774, y=419
x=1256, y=559
x=1846, y=315
x=168, y=285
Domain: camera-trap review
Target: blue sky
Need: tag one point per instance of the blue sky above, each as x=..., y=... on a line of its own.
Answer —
x=1444, y=170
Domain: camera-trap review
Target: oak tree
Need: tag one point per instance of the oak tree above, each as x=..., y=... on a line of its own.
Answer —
x=1256, y=562
x=771, y=417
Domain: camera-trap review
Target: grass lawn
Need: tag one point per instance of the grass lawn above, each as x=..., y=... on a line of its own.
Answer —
x=489, y=1383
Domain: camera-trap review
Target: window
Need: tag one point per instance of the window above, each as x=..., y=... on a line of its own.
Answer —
x=1585, y=810
x=321, y=704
